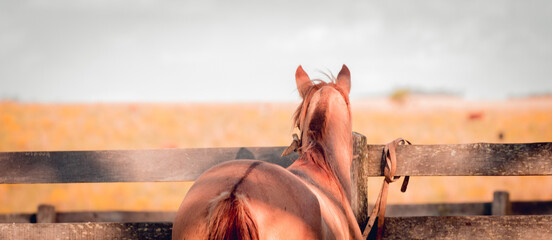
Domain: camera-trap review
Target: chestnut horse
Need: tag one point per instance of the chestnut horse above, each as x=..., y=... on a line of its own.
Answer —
x=245, y=199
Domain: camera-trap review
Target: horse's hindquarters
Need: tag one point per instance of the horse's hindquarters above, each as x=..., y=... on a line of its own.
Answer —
x=280, y=205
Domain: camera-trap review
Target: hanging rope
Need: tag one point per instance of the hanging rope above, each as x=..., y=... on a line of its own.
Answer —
x=390, y=157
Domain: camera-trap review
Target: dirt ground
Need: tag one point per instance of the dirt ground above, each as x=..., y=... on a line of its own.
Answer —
x=421, y=119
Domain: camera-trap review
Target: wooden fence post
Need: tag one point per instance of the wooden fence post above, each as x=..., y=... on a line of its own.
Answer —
x=501, y=205
x=46, y=214
x=359, y=180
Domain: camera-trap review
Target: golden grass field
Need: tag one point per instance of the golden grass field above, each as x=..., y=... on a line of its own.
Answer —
x=421, y=119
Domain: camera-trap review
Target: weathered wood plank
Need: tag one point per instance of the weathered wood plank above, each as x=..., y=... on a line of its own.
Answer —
x=501, y=203
x=359, y=181
x=46, y=214
x=477, y=227
x=438, y=209
x=116, y=216
x=393, y=210
x=85, y=231
x=93, y=216
x=475, y=159
x=160, y=165
x=480, y=159
x=17, y=218
x=465, y=209
x=531, y=208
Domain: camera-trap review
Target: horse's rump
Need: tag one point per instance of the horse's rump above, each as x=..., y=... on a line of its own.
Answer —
x=230, y=218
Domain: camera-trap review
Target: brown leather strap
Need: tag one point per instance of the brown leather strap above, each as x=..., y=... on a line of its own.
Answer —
x=295, y=146
x=389, y=155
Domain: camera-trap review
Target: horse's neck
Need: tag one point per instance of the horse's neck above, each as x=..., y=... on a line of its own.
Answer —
x=339, y=154
x=330, y=166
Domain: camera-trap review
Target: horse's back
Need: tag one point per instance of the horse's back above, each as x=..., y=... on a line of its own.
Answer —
x=280, y=205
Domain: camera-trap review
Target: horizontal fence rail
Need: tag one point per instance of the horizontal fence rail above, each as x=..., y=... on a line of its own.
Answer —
x=86, y=231
x=161, y=165
x=165, y=165
x=500, y=206
x=168, y=165
x=91, y=216
x=469, y=227
x=458, y=227
x=474, y=159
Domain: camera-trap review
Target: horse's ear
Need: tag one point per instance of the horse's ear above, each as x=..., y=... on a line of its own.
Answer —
x=344, y=79
x=303, y=81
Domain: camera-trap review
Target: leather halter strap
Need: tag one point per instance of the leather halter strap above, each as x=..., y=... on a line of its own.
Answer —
x=390, y=157
x=295, y=146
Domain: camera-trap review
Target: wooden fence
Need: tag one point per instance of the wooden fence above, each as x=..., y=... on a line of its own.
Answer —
x=478, y=159
x=500, y=206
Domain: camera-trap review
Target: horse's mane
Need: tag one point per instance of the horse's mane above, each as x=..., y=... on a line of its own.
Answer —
x=313, y=149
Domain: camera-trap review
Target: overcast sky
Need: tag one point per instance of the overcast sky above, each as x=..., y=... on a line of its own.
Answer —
x=176, y=51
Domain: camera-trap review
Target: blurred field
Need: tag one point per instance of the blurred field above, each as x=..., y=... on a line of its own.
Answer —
x=421, y=119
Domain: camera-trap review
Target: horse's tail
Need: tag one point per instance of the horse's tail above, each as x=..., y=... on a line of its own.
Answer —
x=230, y=218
